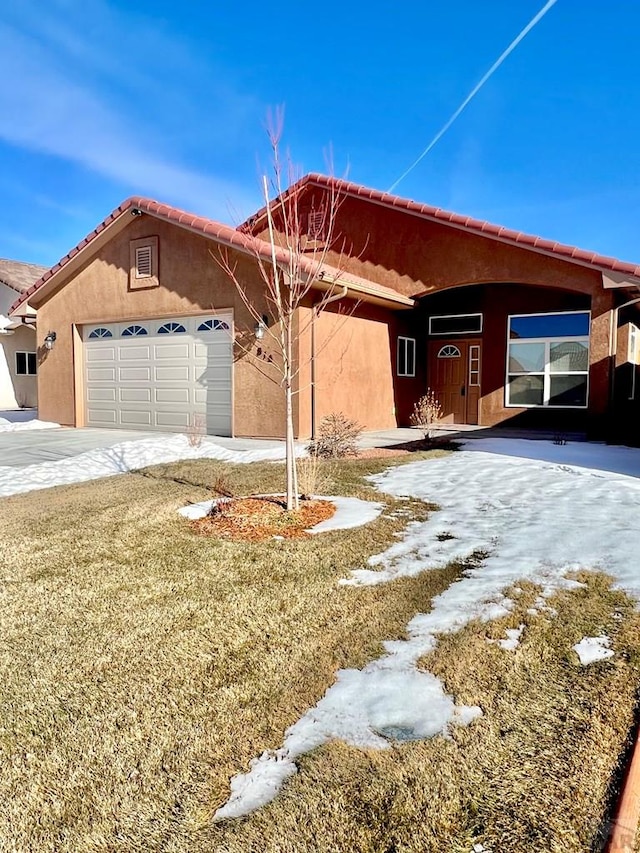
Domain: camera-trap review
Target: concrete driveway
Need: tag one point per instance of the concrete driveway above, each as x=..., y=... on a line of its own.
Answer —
x=32, y=447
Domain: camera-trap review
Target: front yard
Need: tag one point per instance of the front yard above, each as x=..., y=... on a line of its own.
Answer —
x=142, y=666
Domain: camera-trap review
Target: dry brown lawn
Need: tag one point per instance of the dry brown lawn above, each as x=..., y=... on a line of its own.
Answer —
x=142, y=665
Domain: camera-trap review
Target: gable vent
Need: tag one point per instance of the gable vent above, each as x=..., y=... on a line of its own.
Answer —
x=315, y=225
x=143, y=262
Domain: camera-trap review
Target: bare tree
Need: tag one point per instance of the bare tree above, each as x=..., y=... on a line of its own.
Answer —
x=299, y=238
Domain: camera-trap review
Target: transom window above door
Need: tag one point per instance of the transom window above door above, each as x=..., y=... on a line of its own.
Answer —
x=548, y=360
x=455, y=324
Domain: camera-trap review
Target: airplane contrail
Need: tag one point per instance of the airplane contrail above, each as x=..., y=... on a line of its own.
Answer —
x=476, y=89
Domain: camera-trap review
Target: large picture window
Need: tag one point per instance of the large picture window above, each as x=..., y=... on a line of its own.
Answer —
x=548, y=360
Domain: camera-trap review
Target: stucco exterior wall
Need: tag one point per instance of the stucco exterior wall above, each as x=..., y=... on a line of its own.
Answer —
x=17, y=391
x=190, y=282
x=355, y=366
x=414, y=255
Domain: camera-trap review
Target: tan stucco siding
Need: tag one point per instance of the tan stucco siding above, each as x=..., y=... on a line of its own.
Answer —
x=191, y=282
x=355, y=367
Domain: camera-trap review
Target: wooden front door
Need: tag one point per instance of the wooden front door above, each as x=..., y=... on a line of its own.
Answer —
x=454, y=374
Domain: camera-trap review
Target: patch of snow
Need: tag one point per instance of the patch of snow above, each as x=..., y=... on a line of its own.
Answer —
x=7, y=425
x=350, y=512
x=591, y=649
x=367, y=708
x=119, y=459
x=513, y=519
x=512, y=640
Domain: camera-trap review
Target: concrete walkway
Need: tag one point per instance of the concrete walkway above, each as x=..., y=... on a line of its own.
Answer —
x=392, y=437
x=32, y=447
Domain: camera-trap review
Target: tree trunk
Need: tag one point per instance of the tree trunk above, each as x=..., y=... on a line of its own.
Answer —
x=290, y=457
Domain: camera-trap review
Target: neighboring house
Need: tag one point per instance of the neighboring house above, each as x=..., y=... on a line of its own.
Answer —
x=507, y=328
x=18, y=357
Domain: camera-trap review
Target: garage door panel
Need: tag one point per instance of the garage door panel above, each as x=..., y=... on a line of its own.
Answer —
x=133, y=417
x=101, y=354
x=172, y=395
x=134, y=374
x=134, y=353
x=99, y=395
x=102, y=417
x=158, y=382
x=101, y=374
x=173, y=351
x=172, y=420
x=135, y=395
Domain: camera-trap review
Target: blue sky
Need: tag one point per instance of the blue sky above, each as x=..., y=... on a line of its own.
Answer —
x=101, y=99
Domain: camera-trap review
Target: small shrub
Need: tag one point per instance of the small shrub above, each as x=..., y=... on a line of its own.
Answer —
x=337, y=437
x=196, y=430
x=426, y=412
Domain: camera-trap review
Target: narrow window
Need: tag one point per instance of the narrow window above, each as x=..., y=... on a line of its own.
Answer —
x=474, y=365
x=406, y=364
x=26, y=364
x=633, y=357
x=548, y=360
x=101, y=332
x=213, y=326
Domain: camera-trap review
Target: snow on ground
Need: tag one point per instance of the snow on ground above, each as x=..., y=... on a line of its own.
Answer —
x=591, y=649
x=509, y=518
x=350, y=512
x=121, y=458
x=512, y=640
x=7, y=425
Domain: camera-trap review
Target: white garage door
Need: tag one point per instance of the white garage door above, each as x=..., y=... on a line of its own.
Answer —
x=160, y=374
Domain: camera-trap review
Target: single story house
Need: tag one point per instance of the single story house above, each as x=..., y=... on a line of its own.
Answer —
x=505, y=327
x=18, y=357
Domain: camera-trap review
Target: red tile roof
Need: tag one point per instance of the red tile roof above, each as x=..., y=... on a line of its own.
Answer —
x=219, y=232
x=468, y=223
x=19, y=276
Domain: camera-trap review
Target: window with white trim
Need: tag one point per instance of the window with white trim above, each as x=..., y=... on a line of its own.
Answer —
x=455, y=324
x=474, y=365
x=406, y=364
x=548, y=360
x=26, y=364
x=633, y=357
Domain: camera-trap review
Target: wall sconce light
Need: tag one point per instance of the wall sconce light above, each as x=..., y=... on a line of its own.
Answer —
x=259, y=329
x=50, y=339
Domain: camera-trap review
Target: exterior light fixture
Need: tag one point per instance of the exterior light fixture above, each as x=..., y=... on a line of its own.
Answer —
x=259, y=329
x=50, y=339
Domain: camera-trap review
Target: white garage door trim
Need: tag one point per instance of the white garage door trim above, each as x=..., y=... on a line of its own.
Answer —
x=165, y=374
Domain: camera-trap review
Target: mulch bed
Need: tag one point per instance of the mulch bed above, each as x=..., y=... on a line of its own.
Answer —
x=255, y=519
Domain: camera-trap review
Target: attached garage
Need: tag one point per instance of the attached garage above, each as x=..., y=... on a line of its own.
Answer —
x=166, y=374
